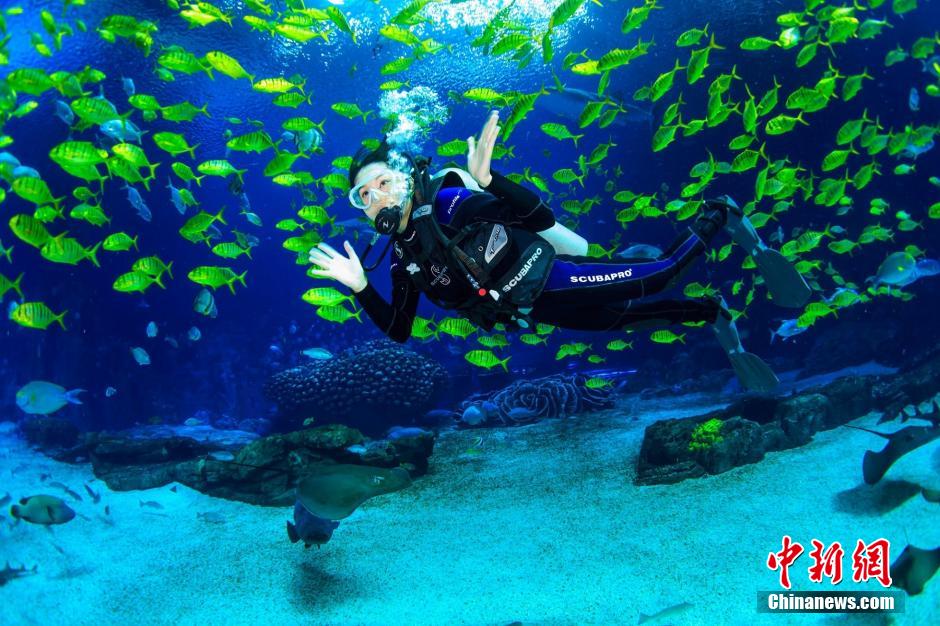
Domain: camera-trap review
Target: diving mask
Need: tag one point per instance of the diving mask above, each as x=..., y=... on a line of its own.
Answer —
x=383, y=183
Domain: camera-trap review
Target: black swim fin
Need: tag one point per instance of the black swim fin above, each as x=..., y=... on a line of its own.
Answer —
x=753, y=373
x=786, y=286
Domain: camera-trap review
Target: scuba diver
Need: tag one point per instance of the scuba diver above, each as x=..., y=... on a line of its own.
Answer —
x=477, y=243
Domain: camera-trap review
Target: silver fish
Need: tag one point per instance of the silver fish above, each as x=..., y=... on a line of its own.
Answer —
x=64, y=112
x=122, y=130
x=137, y=201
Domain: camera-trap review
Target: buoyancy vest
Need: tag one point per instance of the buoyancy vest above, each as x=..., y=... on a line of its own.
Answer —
x=502, y=269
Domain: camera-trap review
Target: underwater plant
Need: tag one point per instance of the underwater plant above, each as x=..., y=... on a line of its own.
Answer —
x=706, y=435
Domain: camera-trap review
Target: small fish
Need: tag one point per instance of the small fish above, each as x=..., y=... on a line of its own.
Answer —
x=787, y=329
x=473, y=415
x=140, y=355
x=320, y=354
x=64, y=112
x=205, y=304
x=913, y=100
x=152, y=330
x=66, y=489
x=152, y=504
x=122, y=130
x=176, y=198
x=192, y=421
x=400, y=432
x=9, y=573
x=668, y=612
x=129, y=88
x=520, y=414
x=95, y=495
x=194, y=334
x=25, y=172
x=137, y=201
x=109, y=391
x=211, y=517
x=357, y=449
x=5, y=500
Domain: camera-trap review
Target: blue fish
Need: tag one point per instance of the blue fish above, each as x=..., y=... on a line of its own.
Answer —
x=307, y=139
x=786, y=330
x=309, y=528
x=176, y=198
x=473, y=415
x=25, y=172
x=913, y=100
x=122, y=130
x=134, y=197
x=8, y=159
x=129, y=87
x=318, y=353
x=912, y=152
x=400, y=432
x=64, y=112
x=520, y=413
x=243, y=203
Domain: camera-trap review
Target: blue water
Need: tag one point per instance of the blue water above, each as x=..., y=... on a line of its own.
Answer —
x=263, y=328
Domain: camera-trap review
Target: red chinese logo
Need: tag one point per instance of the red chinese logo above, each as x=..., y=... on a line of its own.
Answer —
x=784, y=559
x=868, y=561
x=828, y=563
x=872, y=561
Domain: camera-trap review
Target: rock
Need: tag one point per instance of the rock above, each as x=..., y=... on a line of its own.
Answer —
x=800, y=417
x=750, y=428
x=742, y=442
x=50, y=433
x=264, y=472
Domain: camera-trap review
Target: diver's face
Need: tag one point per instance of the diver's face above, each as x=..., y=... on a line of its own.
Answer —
x=381, y=189
x=376, y=194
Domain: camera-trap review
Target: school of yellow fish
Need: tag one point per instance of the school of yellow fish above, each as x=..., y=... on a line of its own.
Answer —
x=862, y=146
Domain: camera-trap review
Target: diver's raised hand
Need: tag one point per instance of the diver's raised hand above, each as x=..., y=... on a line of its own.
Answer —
x=334, y=265
x=479, y=153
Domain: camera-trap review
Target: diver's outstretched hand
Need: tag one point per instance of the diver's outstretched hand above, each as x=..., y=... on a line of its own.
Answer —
x=334, y=265
x=479, y=153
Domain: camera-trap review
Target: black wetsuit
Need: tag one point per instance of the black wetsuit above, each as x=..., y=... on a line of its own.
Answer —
x=582, y=293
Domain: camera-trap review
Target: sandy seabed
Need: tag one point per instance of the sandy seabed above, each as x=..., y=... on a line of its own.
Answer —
x=544, y=526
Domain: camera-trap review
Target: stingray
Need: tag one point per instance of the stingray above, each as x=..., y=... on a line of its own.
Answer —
x=931, y=495
x=334, y=491
x=913, y=569
x=876, y=464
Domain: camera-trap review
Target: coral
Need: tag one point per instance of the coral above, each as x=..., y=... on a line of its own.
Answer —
x=706, y=435
x=371, y=387
x=559, y=395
